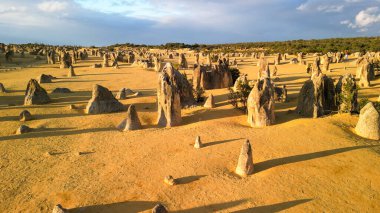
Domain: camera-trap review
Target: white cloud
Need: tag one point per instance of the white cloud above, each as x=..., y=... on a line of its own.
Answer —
x=364, y=19
x=367, y=17
x=52, y=6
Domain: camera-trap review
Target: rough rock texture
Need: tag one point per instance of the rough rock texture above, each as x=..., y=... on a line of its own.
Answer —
x=198, y=143
x=159, y=208
x=2, y=88
x=25, y=116
x=210, y=103
x=368, y=125
x=23, y=129
x=347, y=94
x=207, y=77
x=242, y=80
x=260, y=104
x=316, y=97
x=105, y=60
x=103, y=101
x=245, y=162
x=364, y=74
x=264, y=71
x=168, y=97
x=182, y=61
x=182, y=84
x=35, y=94
x=71, y=72
x=121, y=95
x=61, y=90
x=132, y=122
x=44, y=78
x=281, y=94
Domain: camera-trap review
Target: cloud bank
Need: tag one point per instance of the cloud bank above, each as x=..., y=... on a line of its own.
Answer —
x=102, y=22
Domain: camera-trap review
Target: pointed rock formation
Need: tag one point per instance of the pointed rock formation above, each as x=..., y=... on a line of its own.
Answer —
x=182, y=61
x=121, y=95
x=71, y=72
x=23, y=129
x=368, y=125
x=44, y=78
x=347, y=94
x=132, y=122
x=35, y=94
x=2, y=88
x=317, y=96
x=210, y=103
x=159, y=208
x=25, y=116
x=260, y=104
x=103, y=101
x=198, y=144
x=169, y=101
x=240, y=82
x=245, y=162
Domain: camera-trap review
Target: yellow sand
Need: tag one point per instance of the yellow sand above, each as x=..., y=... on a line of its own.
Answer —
x=301, y=164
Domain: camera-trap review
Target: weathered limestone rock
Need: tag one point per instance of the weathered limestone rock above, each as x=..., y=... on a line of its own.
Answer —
x=364, y=75
x=281, y=94
x=103, y=101
x=180, y=81
x=59, y=209
x=105, y=60
x=264, y=71
x=260, y=104
x=159, y=208
x=96, y=66
x=316, y=97
x=44, y=78
x=170, y=180
x=61, y=90
x=245, y=162
x=198, y=144
x=35, y=94
x=132, y=122
x=240, y=81
x=25, y=116
x=65, y=60
x=277, y=59
x=182, y=61
x=169, y=101
x=23, y=129
x=368, y=125
x=121, y=95
x=71, y=72
x=210, y=103
x=216, y=77
x=2, y=88
x=347, y=94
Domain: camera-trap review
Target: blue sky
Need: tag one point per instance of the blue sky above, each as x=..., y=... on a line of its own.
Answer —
x=104, y=22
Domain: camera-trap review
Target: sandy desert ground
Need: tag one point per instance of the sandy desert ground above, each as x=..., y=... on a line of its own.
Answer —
x=301, y=164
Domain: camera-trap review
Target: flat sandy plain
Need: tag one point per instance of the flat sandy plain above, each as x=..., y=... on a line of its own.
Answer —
x=301, y=164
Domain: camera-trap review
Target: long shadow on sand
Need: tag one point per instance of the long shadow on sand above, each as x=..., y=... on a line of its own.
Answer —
x=221, y=142
x=51, y=132
x=129, y=206
x=274, y=207
x=262, y=166
x=189, y=179
x=209, y=114
x=212, y=207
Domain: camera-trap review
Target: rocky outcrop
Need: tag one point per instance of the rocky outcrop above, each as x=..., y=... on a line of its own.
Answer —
x=103, y=101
